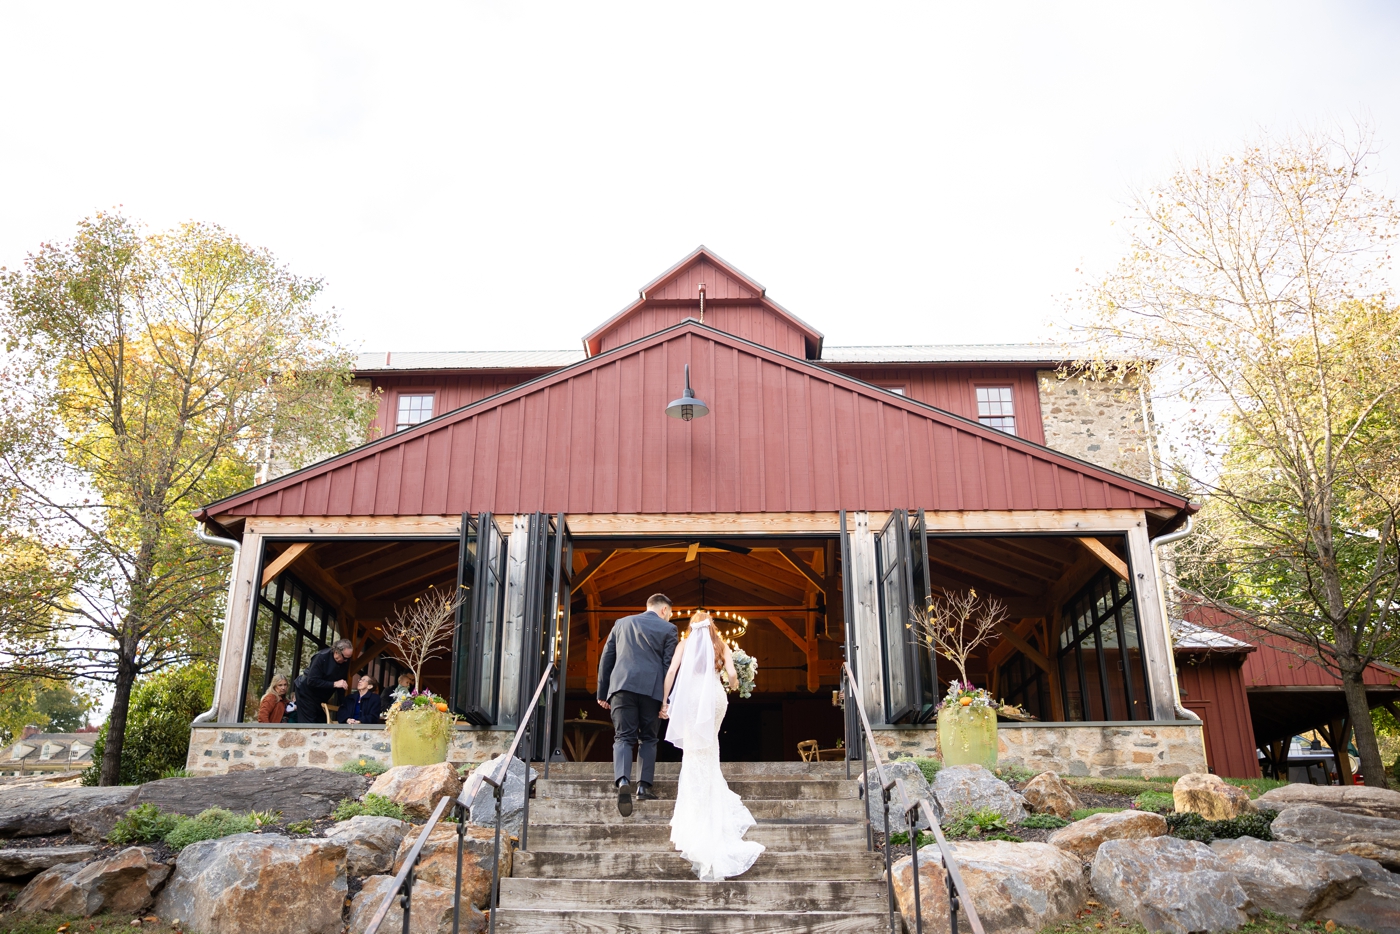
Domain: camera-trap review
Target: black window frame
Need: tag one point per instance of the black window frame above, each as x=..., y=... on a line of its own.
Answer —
x=1106, y=600
x=289, y=601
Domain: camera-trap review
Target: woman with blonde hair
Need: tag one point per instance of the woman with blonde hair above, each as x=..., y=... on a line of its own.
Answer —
x=708, y=821
x=273, y=708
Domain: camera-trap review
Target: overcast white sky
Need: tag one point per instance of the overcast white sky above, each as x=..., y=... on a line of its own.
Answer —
x=506, y=175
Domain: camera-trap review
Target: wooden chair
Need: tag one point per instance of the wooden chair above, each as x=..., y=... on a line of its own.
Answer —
x=808, y=750
x=330, y=716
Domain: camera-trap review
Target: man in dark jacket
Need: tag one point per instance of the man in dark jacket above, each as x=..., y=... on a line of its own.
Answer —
x=362, y=706
x=631, y=678
x=322, y=678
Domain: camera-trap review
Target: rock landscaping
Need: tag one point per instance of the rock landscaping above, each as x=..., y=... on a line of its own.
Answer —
x=223, y=871
x=964, y=788
x=1084, y=837
x=1168, y=884
x=1351, y=799
x=1376, y=838
x=483, y=809
x=1210, y=796
x=1047, y=793
x=915, y=785
x=418, y=788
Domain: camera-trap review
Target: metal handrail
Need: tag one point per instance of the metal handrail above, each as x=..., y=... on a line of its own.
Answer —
x=957, y=891
x=487, y=773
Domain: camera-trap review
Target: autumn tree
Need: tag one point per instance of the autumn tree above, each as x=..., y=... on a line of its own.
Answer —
x=1257, y=284
x=146, y=376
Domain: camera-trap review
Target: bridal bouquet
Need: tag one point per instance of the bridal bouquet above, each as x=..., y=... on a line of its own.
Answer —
x=746, y=666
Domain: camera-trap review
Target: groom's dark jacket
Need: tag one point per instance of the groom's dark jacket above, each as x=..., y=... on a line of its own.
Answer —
x=636, y=656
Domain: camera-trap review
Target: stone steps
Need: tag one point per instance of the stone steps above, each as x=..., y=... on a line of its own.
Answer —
x=657, y=836
x=673, y=895
x=746, y=788
x=567, y=864
x=553, y=921
x=588, y=869
x=604, y=810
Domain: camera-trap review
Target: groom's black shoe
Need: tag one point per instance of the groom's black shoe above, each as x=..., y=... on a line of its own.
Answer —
x=624, y=797
x=644, y=792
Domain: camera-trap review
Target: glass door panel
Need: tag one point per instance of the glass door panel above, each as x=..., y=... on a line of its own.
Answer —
x=892, y=570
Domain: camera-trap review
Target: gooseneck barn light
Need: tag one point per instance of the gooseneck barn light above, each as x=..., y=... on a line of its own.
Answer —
x=687, y=407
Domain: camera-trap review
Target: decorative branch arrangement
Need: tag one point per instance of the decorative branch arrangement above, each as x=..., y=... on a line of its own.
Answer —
x=422, y=630
x=958, y=624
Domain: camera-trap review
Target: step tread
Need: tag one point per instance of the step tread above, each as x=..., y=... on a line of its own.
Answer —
x=655, y=835
x=572, y=864
x=746, y=788
x=657, y=895
x=589, y=810
x=589, y=921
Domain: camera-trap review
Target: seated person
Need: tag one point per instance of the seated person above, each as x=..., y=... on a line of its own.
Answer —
x=404, y=689
x=362, y=705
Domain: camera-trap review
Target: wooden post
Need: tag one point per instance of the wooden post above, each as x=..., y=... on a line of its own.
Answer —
x=1052, y=637
x=814, y=681
x=594, y=644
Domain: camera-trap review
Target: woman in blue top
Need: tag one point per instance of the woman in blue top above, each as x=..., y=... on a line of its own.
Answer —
x=363, y=705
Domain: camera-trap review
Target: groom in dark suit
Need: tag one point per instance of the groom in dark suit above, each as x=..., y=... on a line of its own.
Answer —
x=631, y=676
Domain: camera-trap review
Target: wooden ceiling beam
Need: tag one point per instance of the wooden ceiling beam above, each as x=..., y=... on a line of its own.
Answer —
x=788, y=631
x=377, y=589
x=594, y=565
x=409, y=554
x=350, y=552
x=1101, y=551
x=283, y=561
x=804, y=568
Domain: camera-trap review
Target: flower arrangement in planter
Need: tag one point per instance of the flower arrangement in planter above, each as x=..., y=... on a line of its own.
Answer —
x=420, y=725
x=956, y=625
x=746, y=667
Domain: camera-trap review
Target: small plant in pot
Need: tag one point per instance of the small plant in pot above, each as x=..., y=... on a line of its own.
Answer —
x=420, y=725
x=956, y=625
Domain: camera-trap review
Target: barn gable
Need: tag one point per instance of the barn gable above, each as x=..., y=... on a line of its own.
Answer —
x=734, y=303
x=784, y=435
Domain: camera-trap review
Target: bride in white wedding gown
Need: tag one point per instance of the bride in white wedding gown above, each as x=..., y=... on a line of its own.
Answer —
x=709, y=821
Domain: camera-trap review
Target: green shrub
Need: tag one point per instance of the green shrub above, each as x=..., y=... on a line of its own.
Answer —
x=1014, y=774
x=984, y=824
x=301, y=827
x=142, y=824
x=929, y=767
x=373, y=805
x=365, y=765
x=177, y=773
x=902, y=838
x=1044, y=822
x=1113, y=786
x=208, y=825
x=1086, y=812
x=1191, y=826
x=157, y=725
x=1256, y=786
x=1157, y=801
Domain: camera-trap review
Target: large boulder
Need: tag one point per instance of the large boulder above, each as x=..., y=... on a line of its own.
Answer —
x=959, y=789
x=1376, y=838
x=1017, y=888
x=298, y=792
x=1299, y=882
x=1084, y=837
x=370, y=843
x=253, y=882
x=23, y=863
x=437, y=862
x=418, y=788
x=1375, y=906
x=1047, y=793
x=915, y=785
x=38, y=812
x=1352, y=799
x=125, y=883
x=483, y=810
x=1168, y=884
x=431, y=911
x=1210, y=796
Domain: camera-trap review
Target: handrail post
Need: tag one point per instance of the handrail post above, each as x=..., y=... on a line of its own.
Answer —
x=865, y=775
x=845, y=724
x=461, y=814
x=496, y=855
x=889, y=860
x=952, y=903
x=525, y=810
x=911, y=816
x=548, y=728
x=406, y=899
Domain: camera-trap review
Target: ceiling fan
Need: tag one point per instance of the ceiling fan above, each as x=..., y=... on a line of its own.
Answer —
x=693, y=547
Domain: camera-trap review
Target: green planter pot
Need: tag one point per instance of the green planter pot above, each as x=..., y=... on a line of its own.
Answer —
x=419, y=737
x=968, y=736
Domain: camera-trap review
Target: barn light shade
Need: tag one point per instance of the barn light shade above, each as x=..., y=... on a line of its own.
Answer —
x=687, y=406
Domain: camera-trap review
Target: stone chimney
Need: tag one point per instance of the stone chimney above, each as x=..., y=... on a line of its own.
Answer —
x=30, y=730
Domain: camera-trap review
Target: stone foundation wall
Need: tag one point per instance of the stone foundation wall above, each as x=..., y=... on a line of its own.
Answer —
x=237, y=747
x=1103, y=750
x=1097, y=421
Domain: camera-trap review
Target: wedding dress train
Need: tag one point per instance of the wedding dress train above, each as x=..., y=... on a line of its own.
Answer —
x=709, y=821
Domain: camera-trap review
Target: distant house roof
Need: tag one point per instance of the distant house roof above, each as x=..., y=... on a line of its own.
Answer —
x=550, y=359
x=48, y=750
x=1189, y=637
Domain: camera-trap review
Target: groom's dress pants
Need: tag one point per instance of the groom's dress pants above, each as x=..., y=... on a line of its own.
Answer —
x=635, y=724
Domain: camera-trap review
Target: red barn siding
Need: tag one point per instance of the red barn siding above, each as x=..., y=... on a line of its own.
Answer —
x=784, y=435
x=450, y=390
x=1212, y=689
x=953, y=389
x=752, y=322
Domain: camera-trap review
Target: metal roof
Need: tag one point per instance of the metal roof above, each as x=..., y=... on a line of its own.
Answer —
x=945, y=353
x=31, y=750
x=1191, y=637
x=467, y=360
x=550, y=359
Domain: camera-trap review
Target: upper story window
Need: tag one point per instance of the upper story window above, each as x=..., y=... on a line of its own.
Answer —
x=412, y=410
x=994, y=408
